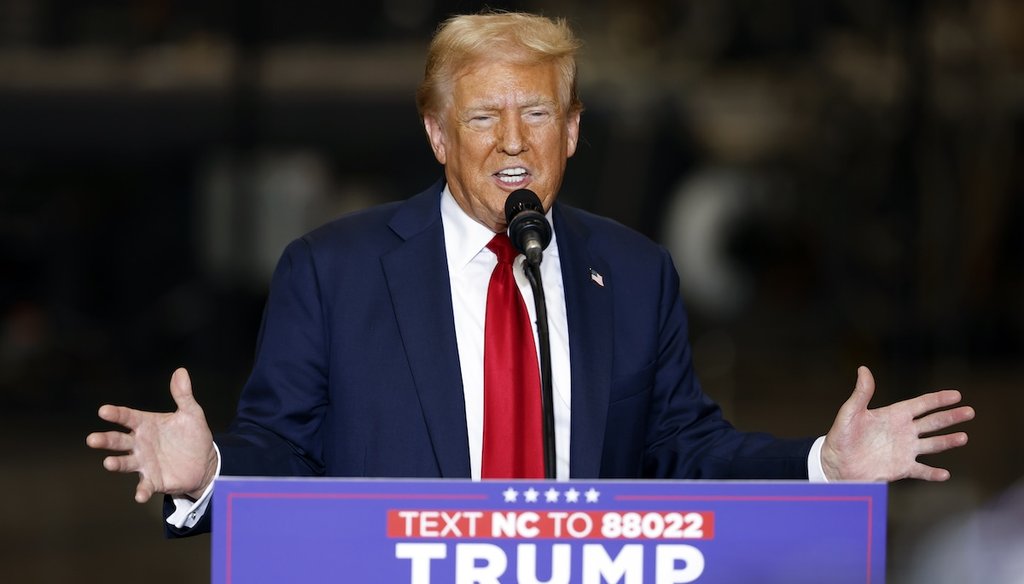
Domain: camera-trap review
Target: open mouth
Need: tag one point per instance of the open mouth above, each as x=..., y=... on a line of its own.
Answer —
x=512, y=176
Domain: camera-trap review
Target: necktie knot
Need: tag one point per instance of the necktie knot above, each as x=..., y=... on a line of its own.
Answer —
x=502, y=247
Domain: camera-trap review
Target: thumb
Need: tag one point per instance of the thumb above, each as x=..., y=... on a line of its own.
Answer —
x=181, y=389
x=864, y=389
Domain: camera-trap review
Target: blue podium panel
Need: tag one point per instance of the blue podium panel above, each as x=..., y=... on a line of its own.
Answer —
x=526, y=532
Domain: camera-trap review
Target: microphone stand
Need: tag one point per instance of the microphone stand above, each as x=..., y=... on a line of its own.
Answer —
x=547, y=402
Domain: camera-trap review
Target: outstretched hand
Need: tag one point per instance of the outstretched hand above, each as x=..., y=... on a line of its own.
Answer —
x=883, y=444
x=172, y=452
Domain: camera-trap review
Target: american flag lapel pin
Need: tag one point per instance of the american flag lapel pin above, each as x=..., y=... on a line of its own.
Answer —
x=596, y=277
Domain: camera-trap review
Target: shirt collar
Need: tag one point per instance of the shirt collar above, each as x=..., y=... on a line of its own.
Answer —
x=464, y=237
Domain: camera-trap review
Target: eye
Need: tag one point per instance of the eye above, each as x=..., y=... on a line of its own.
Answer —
x=481, y=121
x=535, y=116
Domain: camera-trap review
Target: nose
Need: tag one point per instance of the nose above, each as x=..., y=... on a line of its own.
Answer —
x=511, y=137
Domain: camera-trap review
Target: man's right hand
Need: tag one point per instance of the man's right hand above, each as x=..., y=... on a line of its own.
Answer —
x=172, y=452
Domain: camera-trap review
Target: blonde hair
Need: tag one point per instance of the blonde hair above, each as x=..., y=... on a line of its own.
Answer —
x=514, y=36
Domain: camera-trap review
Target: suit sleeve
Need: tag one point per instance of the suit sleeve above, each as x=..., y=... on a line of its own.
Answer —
x=687, y=436
x=280, y=412
x=278, y=427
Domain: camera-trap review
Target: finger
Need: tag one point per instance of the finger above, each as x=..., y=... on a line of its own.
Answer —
x=928, y=473
x=942, y=443
x=935, y=400
x=123, y=463
x=943, y=419
x=181, y=389
x=120, y=415
x=143, y=491
x=119, y=441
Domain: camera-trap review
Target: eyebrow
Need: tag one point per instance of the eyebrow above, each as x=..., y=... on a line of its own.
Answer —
x=494, y=106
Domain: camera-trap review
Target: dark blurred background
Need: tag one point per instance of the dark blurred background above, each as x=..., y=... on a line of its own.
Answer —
x=840, y=183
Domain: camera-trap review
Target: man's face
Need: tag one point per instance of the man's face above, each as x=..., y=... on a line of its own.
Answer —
x=505, y=129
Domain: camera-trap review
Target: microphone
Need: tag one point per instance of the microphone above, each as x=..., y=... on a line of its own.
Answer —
x=530, y=232
x=528, y=229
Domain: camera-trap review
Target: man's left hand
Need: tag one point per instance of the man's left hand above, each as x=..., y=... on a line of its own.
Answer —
x=883, y=444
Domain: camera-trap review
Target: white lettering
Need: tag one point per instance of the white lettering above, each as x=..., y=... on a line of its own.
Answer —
x=557, y=517
x=467, y=569
x=420, y=555
x=503, y=524
x=627, y=566
x=514, y=524
x=451, y=524
x=526, y=564
x=428, y=523
x=472, y=517
x=408, y=516
x=666, y=556
x=579, y=525
x=526, y=526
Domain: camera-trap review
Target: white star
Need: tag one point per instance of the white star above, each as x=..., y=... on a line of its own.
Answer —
x=592, y=495
x=572, y=496
x=511, y=495
x=551, y=495
x=531, y=495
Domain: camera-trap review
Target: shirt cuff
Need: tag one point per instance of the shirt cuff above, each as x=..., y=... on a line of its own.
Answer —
x=188, y=512
x=815, y=472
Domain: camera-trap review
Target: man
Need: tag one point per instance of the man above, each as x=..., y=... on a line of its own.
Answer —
x=371, y=357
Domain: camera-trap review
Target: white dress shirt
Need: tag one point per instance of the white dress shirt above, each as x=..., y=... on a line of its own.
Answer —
x=470, y=264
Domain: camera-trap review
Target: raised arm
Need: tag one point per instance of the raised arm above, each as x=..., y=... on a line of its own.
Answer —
x=172, y=452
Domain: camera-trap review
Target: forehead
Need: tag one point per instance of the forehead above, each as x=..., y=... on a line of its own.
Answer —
x=501, y=83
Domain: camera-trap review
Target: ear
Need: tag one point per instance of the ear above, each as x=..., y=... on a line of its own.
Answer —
x=572, y=134
x=435, y=133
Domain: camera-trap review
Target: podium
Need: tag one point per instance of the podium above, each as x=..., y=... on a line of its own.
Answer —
x=526, y=532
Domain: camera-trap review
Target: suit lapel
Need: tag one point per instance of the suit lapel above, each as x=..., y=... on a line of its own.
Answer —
x=417, y=277
x=590, y=316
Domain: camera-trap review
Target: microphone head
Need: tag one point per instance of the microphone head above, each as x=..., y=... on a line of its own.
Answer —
x=528, y=228
x=519, y=201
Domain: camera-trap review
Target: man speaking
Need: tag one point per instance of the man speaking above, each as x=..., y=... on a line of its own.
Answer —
x=399, y=341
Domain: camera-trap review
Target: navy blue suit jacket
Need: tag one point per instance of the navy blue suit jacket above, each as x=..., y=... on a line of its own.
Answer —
x=357, y=370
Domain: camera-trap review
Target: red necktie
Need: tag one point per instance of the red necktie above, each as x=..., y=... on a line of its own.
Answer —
x=512, y=418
